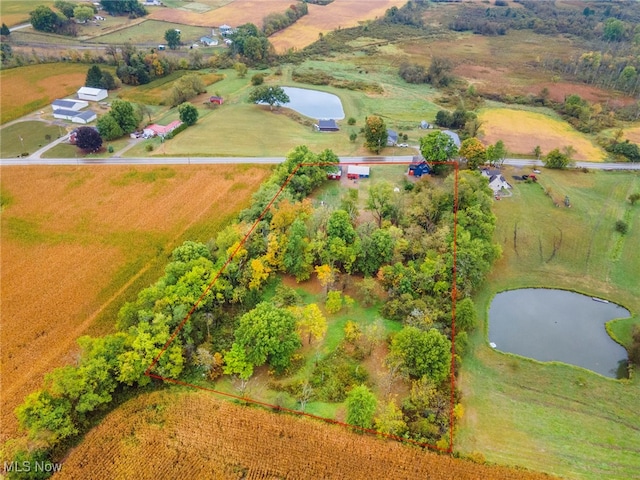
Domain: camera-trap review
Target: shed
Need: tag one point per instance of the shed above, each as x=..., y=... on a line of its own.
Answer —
x=69, y=104
x=216, y=100
x=328, y=125
x=334, y=173
x=454, y=136
x=357, y=171
x=92, y=94
x=392, y=137
x=424, y=125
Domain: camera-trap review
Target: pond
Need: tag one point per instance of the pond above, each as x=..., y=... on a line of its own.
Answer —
x=557, y=325
x=314, y=104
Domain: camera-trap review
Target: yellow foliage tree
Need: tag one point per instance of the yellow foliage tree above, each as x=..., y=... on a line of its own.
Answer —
x=259, y=273
x=474, y=151
x=310, y=322
x=325, y=275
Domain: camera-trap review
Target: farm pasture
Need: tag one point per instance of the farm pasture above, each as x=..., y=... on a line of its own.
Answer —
x=234, y=13
x=151, y=32
x=323, y=19
x=77, y=242
x=522, y=130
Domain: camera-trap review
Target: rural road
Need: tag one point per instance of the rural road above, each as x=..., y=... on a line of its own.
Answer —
x=269, y=160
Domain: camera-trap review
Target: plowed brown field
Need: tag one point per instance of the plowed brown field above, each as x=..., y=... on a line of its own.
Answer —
x=74, y=239
x=177, y=434
x=323, y=19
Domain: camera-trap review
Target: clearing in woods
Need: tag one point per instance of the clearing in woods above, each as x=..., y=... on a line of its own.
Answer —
x=194, y=435
x=522, y=130
x=89, y=239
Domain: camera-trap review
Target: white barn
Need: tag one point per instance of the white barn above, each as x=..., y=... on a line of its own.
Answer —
x=92, y=94
x=69, y=104
x=84, y=117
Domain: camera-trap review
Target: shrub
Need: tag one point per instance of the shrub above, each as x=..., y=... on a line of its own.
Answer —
x=257, y=79
x=110, y=149
x=351, y=121
x=353, y=136
x=148, y=147
x=622, y=227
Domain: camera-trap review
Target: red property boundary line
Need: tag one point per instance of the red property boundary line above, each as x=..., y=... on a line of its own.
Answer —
x=277, y=408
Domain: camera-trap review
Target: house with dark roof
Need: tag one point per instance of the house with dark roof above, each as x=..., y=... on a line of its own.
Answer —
x=392, y=137
x=496, y=181
x=328, y=125
x=85, y=116
x=419, y=168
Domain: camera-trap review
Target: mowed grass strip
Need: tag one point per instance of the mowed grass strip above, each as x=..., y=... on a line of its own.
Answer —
x=554, y=417
x=25, y=89
x=522, y=131
x=77, y=249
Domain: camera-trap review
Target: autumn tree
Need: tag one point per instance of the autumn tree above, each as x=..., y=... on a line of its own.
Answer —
x=390, y=420
x=380, y=200
x=241, y=70
x=375, y=133
x=361, y=406
x=310, y=322
x=334, y=301
x=474, y=152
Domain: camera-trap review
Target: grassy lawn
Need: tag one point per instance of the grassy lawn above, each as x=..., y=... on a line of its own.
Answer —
x=553, y=417
x=152, y=31
x=34, y=135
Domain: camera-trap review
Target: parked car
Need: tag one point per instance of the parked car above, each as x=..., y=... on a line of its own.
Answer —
x=403, y=145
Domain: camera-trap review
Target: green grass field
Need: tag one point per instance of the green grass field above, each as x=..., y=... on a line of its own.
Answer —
x=14, y=12
x=554, y=417
x=152, y=31
x=27, y=137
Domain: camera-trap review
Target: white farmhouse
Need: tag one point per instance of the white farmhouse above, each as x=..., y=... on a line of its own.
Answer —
x=496, y=181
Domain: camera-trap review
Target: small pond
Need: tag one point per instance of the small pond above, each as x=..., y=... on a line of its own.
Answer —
x=557, y=325
x=314, y=104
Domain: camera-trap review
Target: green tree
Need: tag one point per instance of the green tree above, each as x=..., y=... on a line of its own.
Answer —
x=120, y=7
x=390, y=420
x=172, y=37
x=633, y=198
x=361, y=406
x=496, y=153
x=537, y=151
x=297, y=258
x=4, y=31
x=82, y=13
x=109, y=128
x=556, y=159
x=466, y=318
x=474, y=151
x=94, y=77
x=257, y=79
x=423, y=353
x=272, y=95
x=438, y=147
x=375, y=133
x=614, y=30
x=380, y=200
x=46, y=417
x=339, y=226
x=66, y=8
x=188, y=113
x=376, y=249
x=44, y=19
x=185, y=88
x=267, y=334
x=241, y=69
x=125, y=115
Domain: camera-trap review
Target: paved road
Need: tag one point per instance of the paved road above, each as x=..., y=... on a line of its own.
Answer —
x=269, y=160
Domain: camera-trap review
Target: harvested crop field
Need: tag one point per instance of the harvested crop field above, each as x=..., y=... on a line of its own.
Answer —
x=25, y=89
x=235, y=13
x=559, y=91
x=76, y=240
x=323, y=19
x=195, y=435
x=633, y=134
x=522, y=130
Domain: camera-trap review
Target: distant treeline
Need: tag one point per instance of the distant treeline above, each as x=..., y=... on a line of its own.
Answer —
x=279, y=21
